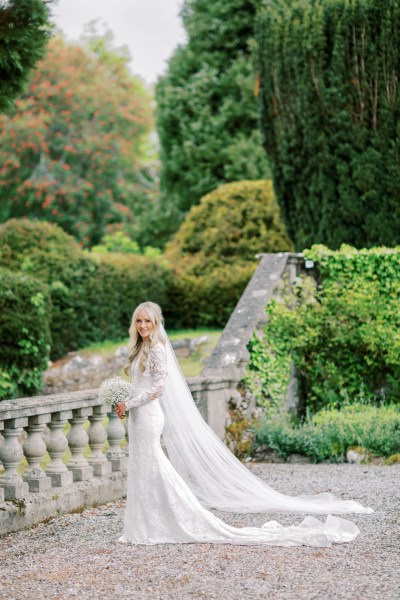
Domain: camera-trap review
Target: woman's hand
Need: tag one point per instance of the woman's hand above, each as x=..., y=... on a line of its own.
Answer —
x=120, y=409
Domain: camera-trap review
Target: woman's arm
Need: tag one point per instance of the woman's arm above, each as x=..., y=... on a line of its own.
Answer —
x=158, y=369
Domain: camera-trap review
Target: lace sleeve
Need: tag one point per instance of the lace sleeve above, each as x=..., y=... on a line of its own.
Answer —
x=158, y=370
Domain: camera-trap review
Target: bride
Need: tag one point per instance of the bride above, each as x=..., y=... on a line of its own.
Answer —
x=167, y=499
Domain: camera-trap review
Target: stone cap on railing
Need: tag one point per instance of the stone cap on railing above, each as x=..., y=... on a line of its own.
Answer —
x=40, y=405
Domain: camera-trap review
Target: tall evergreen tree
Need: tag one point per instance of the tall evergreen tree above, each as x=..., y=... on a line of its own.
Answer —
x=207, y=116
x=330, y=102
x=24, y=32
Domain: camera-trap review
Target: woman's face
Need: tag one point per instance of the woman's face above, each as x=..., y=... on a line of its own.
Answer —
x=144, y=324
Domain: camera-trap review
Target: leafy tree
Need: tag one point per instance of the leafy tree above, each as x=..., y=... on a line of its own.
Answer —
x=73, y=149
x=24, y=33
x=330, y=106
x=206, y=113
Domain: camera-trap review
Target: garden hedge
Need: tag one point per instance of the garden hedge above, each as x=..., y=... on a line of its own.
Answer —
x=24, y=333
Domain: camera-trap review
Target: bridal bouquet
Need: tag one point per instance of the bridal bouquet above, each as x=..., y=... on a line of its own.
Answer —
x=115, y=390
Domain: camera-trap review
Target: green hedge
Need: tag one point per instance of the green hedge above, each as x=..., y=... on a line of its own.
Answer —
x=343, y=337
x=93, y=296
x=24, y=333
x=329, y=101
x=329, y=433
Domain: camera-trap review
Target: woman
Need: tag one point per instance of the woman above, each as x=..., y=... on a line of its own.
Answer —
x=167, y=499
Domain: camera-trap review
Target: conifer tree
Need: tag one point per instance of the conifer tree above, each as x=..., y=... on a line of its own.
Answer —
x=330, y=103
x=207, y=117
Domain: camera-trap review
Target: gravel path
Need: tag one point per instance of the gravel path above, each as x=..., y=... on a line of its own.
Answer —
x=76, y=556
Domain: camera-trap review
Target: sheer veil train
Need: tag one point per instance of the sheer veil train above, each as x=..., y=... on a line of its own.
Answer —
x=215, y=476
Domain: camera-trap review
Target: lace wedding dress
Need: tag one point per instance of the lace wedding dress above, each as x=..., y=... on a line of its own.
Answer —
x=167, y=506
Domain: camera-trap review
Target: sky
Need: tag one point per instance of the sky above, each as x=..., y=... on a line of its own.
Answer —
x=151, y=29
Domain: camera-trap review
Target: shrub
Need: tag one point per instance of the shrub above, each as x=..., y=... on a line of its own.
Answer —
x=229, y=226
x=212, y=255
x=209, y=300
x=24, y=333
x=93, y=296
x=329, y=433
x=343, y=337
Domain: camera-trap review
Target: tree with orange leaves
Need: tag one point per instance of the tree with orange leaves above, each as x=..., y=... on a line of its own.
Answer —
x=74, y=145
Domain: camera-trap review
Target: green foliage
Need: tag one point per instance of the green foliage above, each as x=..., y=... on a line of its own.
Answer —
x=203, y=301
x=117, y=242
x=330, y=108
x=343, y=337
x=329, y=433
x=74, y=149
x=229, y=226
x=120, y=242
x=268, y=370
x=212, y=255
x=24, y=32
x=206, y=113
x=24, y=333
x=85, y=289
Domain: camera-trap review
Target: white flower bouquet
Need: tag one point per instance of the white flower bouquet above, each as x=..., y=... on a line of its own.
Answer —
x=115, y=390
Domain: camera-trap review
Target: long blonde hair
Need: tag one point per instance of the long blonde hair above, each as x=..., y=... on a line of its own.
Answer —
x=136, y=344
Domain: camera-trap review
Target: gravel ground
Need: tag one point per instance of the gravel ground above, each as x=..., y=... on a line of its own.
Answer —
x=76, y=555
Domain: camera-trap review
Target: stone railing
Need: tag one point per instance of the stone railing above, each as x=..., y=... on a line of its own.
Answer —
x=33, y=432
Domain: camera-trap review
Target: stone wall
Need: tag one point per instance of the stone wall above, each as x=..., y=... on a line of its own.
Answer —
x=230, y=356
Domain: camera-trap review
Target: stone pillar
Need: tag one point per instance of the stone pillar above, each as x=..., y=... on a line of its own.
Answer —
x=78, y=440
x=34, y=449
x=10, y=455
x=116, y=433
x=97, y=437
x=57, y=443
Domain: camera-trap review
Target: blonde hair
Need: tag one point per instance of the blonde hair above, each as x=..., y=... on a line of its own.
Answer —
x=139, y=348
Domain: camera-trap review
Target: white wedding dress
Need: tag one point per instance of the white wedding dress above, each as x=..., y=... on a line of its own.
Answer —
x=163, y=508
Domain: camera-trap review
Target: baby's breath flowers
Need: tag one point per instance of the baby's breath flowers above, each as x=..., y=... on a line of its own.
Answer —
x=115, y=390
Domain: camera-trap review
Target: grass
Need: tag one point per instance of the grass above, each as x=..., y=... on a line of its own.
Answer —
x=191, y=366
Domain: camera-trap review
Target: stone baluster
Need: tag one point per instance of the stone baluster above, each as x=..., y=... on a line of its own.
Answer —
x=57, y=443
x=34, y=449
x=97, y=437
x=78, y=440
x=10, y=455
x=116, y=433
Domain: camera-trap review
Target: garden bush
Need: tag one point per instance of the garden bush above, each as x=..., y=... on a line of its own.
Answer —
x=229, y=226
x=212, y=255
x=330, y=432
x=93, y=296
x=24, y=333
x=342, y=337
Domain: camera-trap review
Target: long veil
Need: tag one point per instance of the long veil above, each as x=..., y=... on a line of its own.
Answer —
x=216, y=477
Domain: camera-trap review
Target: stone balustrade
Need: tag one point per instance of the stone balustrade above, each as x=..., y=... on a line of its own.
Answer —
x=34, y=433
x=35, y=427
